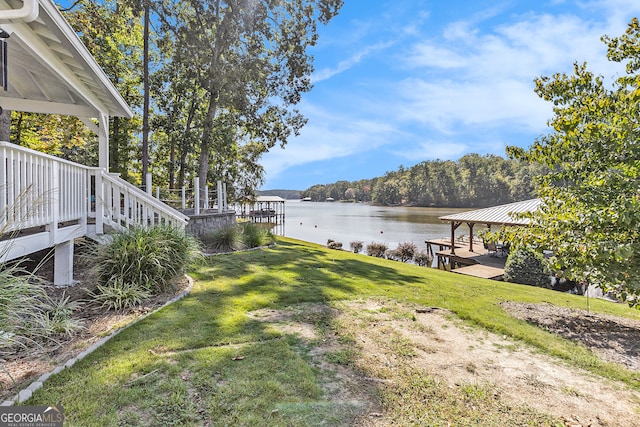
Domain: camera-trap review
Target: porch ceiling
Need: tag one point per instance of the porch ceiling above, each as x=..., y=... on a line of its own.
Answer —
x=51, y=71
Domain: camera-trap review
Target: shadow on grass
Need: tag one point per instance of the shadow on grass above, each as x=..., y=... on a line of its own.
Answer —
x=205, y=360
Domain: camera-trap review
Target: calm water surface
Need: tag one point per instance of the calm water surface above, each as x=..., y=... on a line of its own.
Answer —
x=347, y=222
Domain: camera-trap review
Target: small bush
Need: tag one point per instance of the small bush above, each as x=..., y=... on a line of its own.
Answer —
x=254, y=235
x=423, y=259
x=150, y=258
x=527, y=267
x=332, y=244
x=356, y=246
x=406, y=251
x=225, y=239
x=392, y=254
x=59, y=318
x=376, y=249
x=117, y=295
x=21, y=308
x=29, y=317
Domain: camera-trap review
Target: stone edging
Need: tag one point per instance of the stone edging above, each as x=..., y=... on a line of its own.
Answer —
x=25, y=394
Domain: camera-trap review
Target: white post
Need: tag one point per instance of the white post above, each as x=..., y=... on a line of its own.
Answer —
x=99, y=203
x=196, y=196
x=158, y=193
x=148, y=183
x=63, y=264
x=103, y=142
x=206, y=196
x=219, y=196
x=184, y=198
x=224, y=196
x=54, y=202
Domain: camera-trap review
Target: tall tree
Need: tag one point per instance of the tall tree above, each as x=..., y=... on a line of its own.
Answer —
x=253, y=62
x=590, y=216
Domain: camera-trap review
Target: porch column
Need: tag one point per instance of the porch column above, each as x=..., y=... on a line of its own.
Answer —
x=103, y=142
x=102, y=130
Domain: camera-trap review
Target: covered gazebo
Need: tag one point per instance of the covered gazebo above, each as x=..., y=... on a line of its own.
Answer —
x=473, y=261
x=503, y=215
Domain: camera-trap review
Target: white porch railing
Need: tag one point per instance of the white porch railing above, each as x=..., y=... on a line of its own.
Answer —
x=45, y=201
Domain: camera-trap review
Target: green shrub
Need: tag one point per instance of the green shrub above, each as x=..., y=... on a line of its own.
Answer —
x=29, y=317
x=118, y=294
x=225, y=239
x=527, y=267
x=21, y=307
x=254, y=235
x=406, y=251
x=59, y=318
x=150, y=258
x=376, y=249
x=392, y=254
x=423, y=259
x=356, y=246
x=332, y=244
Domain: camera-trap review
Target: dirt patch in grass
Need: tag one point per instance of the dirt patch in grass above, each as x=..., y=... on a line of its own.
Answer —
x=402, y=365
x=329, y=351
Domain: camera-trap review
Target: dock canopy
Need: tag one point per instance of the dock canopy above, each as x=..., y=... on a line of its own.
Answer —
x=497, y=215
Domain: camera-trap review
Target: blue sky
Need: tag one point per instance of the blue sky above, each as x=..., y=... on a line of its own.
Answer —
x=399, y=82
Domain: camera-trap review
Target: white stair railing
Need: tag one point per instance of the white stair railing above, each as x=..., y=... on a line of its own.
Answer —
x=120, y=205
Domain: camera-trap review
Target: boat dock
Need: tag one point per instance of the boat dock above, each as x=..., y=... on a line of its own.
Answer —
x=477, y=262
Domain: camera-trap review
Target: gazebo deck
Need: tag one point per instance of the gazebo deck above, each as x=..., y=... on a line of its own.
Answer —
x=477, y=263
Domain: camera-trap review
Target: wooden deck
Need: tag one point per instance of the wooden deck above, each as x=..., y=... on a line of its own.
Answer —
x=479, y=270
x=477, y=263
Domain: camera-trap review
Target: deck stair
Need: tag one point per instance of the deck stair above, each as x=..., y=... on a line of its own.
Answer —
x=47, y=202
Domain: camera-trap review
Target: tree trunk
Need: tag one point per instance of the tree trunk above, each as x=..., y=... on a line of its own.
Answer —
x=145, y=111
x=172, y=162
x=203, y=166
x=114, y=146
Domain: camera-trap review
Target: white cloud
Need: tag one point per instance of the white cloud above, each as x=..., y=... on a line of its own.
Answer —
x=485, y=80
x=327, y=136
x=430, y=55
x=327, y=73
x=432, y=150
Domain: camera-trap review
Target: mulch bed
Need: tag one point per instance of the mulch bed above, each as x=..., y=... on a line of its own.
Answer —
x=615, y=339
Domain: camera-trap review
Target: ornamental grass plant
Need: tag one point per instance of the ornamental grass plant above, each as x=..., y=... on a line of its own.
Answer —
x=148, y=258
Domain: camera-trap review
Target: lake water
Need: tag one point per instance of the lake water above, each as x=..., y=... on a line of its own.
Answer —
x=347, y=222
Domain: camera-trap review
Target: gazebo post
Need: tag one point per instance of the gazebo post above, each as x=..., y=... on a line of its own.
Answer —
x=454, y=226
x=471, y=224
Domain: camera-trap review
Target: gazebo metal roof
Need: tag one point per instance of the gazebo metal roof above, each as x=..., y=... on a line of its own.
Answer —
x=497, y=215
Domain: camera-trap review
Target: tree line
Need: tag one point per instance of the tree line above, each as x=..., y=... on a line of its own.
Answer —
x=214, y=85
x=472, y=181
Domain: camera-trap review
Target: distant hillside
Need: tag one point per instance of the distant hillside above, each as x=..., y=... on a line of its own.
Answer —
x=285, y=194
x=473, y=181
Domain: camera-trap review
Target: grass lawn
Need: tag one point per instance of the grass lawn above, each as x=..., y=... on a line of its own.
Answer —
x=205, y=361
